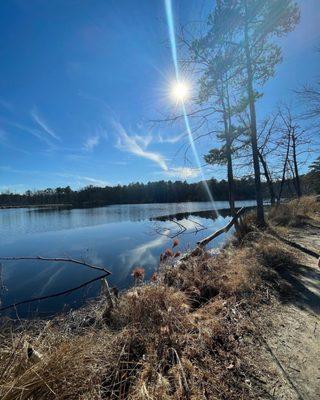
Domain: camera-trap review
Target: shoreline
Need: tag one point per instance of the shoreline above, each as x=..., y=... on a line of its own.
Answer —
x=5, y=207
x=74, y=206
x=205, y=325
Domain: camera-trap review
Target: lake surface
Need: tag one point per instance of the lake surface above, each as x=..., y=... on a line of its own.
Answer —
x=118, y=237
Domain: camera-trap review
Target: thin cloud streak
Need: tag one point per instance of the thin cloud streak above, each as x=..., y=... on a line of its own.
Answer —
x=135, y=144
x=171, y=139
x=43, y=124
x=34, y=132
x=82, y=180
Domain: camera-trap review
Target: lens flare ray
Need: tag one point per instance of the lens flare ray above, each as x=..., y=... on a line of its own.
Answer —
x=173, y=45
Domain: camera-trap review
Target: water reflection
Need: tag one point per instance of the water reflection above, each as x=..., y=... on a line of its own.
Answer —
x=117, y=237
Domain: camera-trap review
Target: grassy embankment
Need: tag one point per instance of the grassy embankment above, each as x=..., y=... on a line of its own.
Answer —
x=188, y=334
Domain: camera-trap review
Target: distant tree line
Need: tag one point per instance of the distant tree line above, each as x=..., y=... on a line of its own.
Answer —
x=155, y=192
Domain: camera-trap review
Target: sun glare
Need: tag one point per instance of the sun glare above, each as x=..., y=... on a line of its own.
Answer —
x=180, y=91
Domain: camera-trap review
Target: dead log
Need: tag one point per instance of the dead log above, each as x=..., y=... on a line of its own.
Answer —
x=225, y=229
x=199, y=250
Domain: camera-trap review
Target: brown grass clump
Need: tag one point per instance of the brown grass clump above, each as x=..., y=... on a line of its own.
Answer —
x=272, y=254
x=69, y=369
x=232, y=272
x=151, y=307
x=294, y=213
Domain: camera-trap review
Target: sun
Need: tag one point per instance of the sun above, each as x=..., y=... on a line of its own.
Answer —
x=180, y=91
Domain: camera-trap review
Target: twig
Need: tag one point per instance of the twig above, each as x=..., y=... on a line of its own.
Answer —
x=57, y=259
x=54, y=294
x=184, y=378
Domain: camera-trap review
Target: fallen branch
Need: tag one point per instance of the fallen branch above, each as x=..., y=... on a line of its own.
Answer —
x=65, y=292
x=202, y=243
x=225, y=229
x=57, y=259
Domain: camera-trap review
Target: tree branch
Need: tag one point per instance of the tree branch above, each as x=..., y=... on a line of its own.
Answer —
x=13, y=305
x=57, y=259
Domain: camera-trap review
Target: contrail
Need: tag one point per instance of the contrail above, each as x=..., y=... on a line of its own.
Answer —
x=173, y=45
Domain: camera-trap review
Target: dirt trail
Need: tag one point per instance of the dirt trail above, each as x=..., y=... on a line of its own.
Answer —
x=292, y=329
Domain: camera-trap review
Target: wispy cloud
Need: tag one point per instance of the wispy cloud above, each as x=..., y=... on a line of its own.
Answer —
x=94, y=181
x=43, y=124
x=171, y=139
x=137, y=145
x=69, y=178
x=94, y=138
x=183, y=172
x=83, y=180
x=143, y=140
x=34, y=132
x=91, y=142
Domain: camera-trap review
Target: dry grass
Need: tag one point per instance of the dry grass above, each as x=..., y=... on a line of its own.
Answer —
x=178, y=337
x=296, y=212
x=233, y=272
x=273, y=254
x=152, y=347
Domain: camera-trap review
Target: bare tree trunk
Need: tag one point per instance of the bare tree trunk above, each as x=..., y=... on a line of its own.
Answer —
x=253, y=125
x=230, y=175
x=268, y=179
x=295, y=164
x=228, y=128
x=294, y=183
x=284, y=169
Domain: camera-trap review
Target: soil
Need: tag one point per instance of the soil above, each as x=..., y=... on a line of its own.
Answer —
x=290, y=328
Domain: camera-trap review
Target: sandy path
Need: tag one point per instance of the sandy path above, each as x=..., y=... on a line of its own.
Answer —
x=292, y=329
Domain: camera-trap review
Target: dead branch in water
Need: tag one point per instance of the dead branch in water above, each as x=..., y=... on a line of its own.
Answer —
x=65, y=292
x=182, y=229
x=202, y=243
x=225, y=229
x=57, y=259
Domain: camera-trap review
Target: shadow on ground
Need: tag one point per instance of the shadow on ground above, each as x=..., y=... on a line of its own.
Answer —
x=305, y=284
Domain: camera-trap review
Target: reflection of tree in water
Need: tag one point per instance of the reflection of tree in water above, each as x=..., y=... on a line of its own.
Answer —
x=212, y=214
x=182, y=223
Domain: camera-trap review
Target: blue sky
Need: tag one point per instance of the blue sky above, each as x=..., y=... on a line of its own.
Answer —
x=81, y=80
